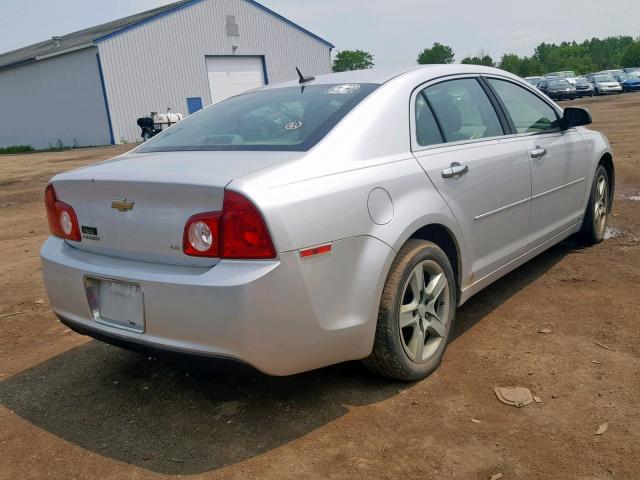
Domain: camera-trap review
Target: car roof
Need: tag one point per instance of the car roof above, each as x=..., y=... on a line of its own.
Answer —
x=383, y=75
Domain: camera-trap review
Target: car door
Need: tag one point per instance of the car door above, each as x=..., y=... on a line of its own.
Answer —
x=459, y=139
x=558, y=160
x=543, y=86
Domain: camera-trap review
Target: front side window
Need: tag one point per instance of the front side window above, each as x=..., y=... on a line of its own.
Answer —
x=463, y=110
x=289, y=118
x=528, y=112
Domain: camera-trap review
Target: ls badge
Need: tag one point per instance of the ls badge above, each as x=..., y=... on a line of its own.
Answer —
x=122, y=205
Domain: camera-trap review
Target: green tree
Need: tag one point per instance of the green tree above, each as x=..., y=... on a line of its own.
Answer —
x=511, y=63
x=437, y=54
x=589, y=56
x=631, y=55
x=485, y=60
x=352, y=60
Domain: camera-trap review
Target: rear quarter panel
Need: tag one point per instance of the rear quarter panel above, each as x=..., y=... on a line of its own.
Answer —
x=323, y=197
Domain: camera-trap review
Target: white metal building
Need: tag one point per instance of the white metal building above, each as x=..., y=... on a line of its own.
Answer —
x=89, y=87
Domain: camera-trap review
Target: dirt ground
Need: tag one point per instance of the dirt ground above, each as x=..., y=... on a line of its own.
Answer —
x=73, y=408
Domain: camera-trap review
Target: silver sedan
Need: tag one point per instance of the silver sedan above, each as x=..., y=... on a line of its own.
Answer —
x=339, y=218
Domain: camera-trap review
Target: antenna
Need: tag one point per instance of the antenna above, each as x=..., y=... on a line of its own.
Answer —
x=302, y=78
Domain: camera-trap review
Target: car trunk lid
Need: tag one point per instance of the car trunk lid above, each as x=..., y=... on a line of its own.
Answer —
x=136, y=206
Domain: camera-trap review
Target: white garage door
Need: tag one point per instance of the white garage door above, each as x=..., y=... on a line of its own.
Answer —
x=229, y=76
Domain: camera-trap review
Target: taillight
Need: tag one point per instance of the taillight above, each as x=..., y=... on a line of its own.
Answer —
x=238, y=232
x=63, y=222
x=202, y=235
x=244, y=233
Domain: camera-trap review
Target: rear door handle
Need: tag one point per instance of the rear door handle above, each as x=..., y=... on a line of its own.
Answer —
x=455, y=170
x=538, y=152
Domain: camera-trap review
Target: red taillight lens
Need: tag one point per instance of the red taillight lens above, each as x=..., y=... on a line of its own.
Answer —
x=238, y=232
x=244, y=233
x=202, y=235
x=63, y=222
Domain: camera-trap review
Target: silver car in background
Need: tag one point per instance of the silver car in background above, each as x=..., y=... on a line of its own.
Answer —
x=339, y=218
x=605, y=83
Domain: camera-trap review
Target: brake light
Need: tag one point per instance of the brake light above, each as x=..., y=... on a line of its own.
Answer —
x=238, y=232
x=244, y=233
x=63, y=222
x=202, y=235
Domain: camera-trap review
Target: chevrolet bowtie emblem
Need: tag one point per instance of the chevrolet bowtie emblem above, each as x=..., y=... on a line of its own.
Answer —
x=122, y=205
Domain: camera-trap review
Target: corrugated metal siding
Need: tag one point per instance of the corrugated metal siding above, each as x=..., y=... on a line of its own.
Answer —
x=162, y=63
x=58, y=99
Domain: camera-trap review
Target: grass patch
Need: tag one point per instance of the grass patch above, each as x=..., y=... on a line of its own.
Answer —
x=16, y=149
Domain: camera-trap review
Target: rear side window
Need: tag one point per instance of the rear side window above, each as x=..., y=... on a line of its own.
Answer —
x=427, y=130
x=289, y=118
x=529, y=113
x=463, y=110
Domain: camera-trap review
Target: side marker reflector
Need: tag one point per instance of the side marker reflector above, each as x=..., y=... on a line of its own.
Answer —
x=319, y=250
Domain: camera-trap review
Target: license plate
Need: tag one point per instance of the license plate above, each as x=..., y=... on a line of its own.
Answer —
x=115, y=303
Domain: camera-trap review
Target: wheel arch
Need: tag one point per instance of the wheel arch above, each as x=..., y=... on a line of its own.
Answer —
x=446, y=240
x=606, y=160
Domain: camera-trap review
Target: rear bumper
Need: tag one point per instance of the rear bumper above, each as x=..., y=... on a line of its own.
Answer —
x=216, y=362
x=281, y=317
x=609, y=89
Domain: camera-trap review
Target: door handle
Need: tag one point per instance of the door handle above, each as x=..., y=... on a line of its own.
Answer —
x=455, y=170
x=538, y=152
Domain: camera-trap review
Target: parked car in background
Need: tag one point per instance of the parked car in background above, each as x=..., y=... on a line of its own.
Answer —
x=584, y=88
x=614, y=71
x=328, y=219
x=604, y=84
x=568, y=75
x=633, y=71
x=558, y=88
x=628, y=82
x=535, y=81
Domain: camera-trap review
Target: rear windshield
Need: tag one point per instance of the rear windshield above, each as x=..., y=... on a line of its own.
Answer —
x=290, y=118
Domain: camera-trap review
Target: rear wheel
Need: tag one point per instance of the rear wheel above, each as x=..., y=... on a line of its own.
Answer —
x=594, y=224
x=416, y=315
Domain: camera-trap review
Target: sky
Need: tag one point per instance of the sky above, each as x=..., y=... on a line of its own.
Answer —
x=394, y=31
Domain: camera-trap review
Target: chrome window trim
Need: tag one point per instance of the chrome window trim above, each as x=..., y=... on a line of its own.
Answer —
x=539, y=95
x=415, y=146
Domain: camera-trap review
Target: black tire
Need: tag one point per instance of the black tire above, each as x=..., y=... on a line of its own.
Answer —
x=593, y=232
x=389, y=357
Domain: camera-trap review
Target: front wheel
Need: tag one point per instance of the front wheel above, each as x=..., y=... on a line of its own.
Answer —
x=416, y=315
x=594, y=224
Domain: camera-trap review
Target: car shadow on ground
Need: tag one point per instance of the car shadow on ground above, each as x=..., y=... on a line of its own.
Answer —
x=177, y=419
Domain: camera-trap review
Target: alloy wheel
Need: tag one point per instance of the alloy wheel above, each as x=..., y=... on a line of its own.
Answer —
x=424, y=311
x=601, y=205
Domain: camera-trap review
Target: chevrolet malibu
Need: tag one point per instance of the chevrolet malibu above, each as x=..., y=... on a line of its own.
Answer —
x=327, y=219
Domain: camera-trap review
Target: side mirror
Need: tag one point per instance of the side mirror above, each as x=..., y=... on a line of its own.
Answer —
x=575, y=117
